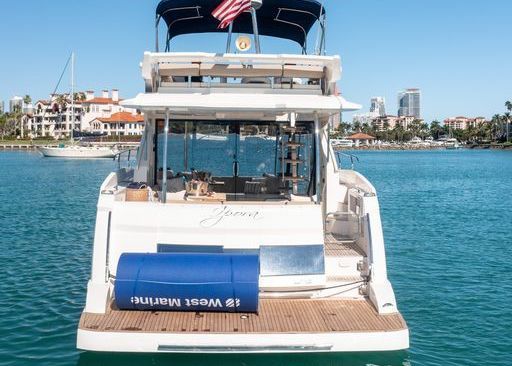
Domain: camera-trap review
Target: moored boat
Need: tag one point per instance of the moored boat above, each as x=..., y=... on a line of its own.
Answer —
x=72, y=150
x=78, y=152
x=237, y=231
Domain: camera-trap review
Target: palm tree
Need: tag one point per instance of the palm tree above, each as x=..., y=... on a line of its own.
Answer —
x=79, y=96
x=495, y=124
x=27, y=99
x=3, y=124
x=507, y=121
x=436, y=129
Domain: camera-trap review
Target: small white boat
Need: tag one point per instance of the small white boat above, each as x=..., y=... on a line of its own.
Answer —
x=452, y=144
x=342, y=143
x=78, y=152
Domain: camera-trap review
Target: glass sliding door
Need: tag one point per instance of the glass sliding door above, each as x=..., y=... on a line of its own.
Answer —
x=246, y=160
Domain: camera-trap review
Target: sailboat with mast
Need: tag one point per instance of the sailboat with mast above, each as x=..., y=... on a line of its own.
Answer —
x=73, y=150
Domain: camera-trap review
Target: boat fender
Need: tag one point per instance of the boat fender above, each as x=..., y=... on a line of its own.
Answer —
x=217, y=282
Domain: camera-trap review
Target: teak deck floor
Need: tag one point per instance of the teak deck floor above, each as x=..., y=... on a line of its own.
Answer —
x=275, y=316
x=337, y=247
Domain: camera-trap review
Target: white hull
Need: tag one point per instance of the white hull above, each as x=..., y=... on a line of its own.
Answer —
x=320, y=281
x=242, y=343
x=78, y=152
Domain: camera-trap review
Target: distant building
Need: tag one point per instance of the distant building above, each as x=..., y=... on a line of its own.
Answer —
x=390, y=122
x=335, y=121
x=378, y=106
x=28, y=108
x=2, y=106
x=52, y=117
x=361, y=139
x=409, y=103
x=101, y=107
x=463, y=123
x=365, y=118
x=15, y=104
x=119, y=124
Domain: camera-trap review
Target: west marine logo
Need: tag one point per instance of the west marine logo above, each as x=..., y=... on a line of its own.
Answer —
x=232, y=303
x=185, y=303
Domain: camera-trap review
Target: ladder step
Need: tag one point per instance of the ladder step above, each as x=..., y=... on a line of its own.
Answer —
x=293, y=144
x=294, y=161
x=293, y=179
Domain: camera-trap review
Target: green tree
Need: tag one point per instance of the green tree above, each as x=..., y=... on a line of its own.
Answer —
x=3, y=123
x=356, y=126
x=342, y=130
x=27, y=99
x=79, y=96
x=506, y=117
x=62, y=101
x=495, y=127
x=436, y=130
x=508, y=105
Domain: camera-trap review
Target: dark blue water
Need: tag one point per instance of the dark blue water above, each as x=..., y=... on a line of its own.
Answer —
x=448, y=226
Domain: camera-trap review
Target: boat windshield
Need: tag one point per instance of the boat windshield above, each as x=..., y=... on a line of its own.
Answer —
x=244, y=160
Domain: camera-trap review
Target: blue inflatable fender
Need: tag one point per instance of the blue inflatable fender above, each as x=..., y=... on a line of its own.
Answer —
x=187, y=282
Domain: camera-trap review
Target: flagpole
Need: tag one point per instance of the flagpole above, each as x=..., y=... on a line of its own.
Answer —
x=256, y=4
x=230, y=32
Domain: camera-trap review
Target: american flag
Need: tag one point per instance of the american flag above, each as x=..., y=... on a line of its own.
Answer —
x=229, y=10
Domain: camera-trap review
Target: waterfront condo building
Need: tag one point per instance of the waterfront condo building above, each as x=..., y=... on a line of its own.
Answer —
x=52, y=117
x=383, y=123
x=119, y=124
x=463, y=123
x=101, y=107
x=409, y=103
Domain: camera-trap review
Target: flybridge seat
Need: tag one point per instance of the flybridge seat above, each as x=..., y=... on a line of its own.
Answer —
x=174, y=74
x=198, y=69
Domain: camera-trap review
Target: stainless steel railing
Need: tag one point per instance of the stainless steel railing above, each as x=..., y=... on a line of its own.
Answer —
x=126, y=158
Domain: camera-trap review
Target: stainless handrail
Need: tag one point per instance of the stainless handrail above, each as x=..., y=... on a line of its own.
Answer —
x=127, y=151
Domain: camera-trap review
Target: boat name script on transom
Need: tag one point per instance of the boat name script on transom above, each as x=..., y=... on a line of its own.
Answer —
x=219, y=215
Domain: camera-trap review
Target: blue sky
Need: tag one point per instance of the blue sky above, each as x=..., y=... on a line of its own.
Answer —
x=458, y=52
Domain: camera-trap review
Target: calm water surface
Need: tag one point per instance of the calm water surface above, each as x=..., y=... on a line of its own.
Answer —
x=447, y=218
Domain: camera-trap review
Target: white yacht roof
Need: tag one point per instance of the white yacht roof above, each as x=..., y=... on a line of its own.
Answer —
x=231, y=102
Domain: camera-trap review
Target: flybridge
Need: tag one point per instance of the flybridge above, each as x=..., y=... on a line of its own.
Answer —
x=254, y=70
x=195, y=82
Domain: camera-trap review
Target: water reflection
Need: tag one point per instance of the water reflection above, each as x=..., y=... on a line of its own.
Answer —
x=349, y=359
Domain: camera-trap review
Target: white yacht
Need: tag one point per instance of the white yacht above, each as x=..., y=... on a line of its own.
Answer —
x=78, y=151
x=216, y=242
x=345, y=143
x=452, y=144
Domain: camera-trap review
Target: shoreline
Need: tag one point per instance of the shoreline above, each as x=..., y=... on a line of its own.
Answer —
x=422, y=148
x=27, y=146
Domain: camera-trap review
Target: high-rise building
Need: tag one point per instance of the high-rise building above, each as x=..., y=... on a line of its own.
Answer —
x=409, y=103
x=16, y=104
x=378, y=106
x=2, y=106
